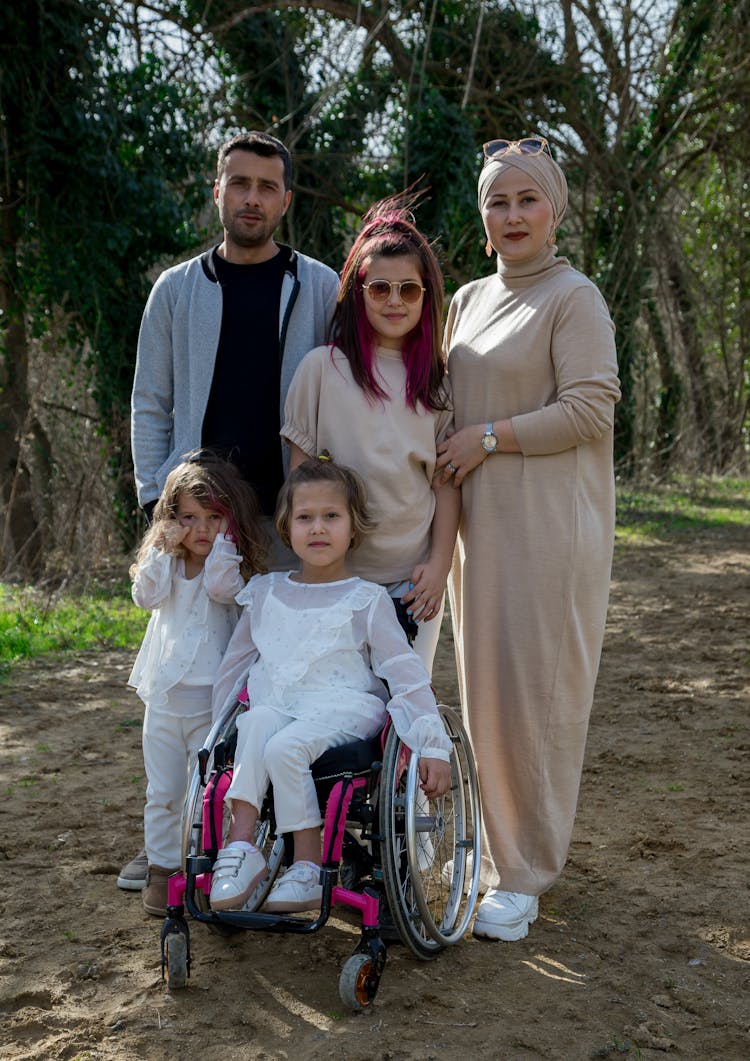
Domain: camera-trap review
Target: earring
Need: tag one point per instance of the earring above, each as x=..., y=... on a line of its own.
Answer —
x=488, y=249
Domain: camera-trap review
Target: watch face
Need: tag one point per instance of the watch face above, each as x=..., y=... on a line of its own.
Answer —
x=489, y=443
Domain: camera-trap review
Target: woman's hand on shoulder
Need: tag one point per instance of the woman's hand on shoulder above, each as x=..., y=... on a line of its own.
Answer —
x=460, y=454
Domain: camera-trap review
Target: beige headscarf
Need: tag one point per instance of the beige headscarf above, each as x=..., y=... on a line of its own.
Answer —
x=542, y=169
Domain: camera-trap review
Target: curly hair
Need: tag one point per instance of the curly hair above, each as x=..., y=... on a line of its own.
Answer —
x=389, y=231
x=216, y=484
x=323, y=470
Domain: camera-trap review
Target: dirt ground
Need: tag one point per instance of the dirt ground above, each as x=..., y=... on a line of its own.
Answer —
x=642, y=948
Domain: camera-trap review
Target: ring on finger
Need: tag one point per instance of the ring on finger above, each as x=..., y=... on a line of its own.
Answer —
x=451, y=468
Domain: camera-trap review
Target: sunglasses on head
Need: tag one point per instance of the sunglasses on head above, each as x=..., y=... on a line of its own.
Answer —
x=529, y=145
x=408, y=291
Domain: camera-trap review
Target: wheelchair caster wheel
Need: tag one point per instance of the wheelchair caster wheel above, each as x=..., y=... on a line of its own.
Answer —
x=359, y=982
x=176, y=960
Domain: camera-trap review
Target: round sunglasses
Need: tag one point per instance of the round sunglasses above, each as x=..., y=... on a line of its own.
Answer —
x=529, y=145
x=409, y=291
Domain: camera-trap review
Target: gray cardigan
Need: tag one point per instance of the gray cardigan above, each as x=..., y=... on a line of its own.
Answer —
x=177, y=347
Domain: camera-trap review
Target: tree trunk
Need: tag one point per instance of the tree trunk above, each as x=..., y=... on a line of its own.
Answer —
x=670, y=390
x=701, y=391
x=24, y=444
x=21, y=536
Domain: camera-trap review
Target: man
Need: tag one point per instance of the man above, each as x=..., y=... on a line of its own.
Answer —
x=223, y=333
x=220, y=339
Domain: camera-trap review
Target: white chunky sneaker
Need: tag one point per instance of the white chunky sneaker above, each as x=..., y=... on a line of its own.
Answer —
x=505, y=915
x=298, y=889
x=236, y=874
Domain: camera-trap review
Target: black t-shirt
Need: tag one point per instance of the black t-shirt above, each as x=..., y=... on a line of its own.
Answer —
x=242, y=415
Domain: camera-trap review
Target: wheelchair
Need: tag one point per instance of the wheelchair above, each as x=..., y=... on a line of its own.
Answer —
x=410, y=866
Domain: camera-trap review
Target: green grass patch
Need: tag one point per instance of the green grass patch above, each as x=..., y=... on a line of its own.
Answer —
x=33, y=623
x=681, y=508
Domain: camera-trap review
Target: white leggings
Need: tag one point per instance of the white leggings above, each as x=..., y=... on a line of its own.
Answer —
x=275, y=747
x=170, y=747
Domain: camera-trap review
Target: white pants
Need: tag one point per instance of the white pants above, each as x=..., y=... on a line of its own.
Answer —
x=275, y=747
x=425, y=643
x=171, y=743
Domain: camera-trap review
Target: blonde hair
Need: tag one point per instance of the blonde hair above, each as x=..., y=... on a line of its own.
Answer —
x=218, y=485
x=323, y=470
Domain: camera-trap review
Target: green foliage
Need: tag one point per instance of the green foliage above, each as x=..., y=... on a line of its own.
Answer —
x=450, y=211
x=371, y=106
x=32, y=624
x=103, y=172
x=136, y=164
x=464, y=88
x=713, y=226
x=682, y=508
x=107, y=131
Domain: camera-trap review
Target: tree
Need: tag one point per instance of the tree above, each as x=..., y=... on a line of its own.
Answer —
x=707, y=297
x=108, y=110
x=94, y=150
x=376, y=97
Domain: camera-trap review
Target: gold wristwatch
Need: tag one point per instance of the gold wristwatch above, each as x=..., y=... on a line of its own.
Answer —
x=489, y=439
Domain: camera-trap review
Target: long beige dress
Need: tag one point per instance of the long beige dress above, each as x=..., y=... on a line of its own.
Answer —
x=530, y=582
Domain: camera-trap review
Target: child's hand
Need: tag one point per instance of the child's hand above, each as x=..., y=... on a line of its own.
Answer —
x=224, y=529
x=435, y=775
x=426, y=593
x=172, y=535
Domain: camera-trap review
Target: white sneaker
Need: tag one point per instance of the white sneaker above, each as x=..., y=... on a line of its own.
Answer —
x=505, y=915
x=236, y=874
x=298, y=889
x=447, y=875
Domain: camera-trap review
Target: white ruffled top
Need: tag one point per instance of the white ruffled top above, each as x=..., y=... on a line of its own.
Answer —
x=192, y=621
x=332, y=653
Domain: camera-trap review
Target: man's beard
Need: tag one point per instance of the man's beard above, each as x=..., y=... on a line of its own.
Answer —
x=241, y=236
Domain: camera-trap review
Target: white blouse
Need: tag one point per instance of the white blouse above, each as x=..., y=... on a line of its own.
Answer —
x=192, y=621
x=333, y=653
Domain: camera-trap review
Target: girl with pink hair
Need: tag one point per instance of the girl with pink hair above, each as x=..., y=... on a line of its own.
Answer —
x=377, y=399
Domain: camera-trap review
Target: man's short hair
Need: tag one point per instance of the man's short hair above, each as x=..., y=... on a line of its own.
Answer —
x=256, y=143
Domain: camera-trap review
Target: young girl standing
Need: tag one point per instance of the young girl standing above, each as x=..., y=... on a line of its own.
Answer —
x=377, y=398
x=204, y=543
x=315, y=649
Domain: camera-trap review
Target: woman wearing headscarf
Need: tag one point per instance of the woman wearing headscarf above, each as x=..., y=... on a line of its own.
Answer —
x=531, y=358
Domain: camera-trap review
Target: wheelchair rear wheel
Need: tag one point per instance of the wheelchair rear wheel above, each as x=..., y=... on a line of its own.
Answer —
x=426, y=844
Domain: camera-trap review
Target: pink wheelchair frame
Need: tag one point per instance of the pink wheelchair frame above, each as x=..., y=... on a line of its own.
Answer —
x=396, y=897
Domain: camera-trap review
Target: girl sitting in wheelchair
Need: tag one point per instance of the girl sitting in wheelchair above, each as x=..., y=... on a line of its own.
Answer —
x=324, y=658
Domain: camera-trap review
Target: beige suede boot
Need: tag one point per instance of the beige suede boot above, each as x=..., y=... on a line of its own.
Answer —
x=155, y=892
